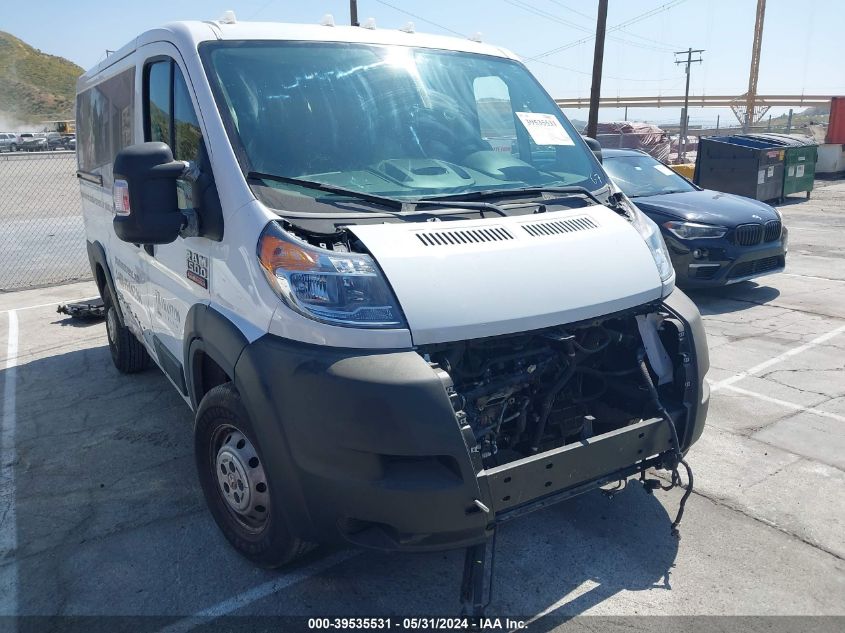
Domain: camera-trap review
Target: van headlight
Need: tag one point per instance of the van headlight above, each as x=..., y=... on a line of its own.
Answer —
x=334, y=287
x=650, y=233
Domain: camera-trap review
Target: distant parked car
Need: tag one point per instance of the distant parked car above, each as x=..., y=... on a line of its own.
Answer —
x=58, y=141
x=32, y=142
x=70, y=141
x=8, y=142
x=714, y=238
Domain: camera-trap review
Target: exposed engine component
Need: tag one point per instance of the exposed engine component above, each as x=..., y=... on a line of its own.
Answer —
x=531, y=392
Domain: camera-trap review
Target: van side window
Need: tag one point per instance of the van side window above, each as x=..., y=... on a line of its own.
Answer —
x=105, y=116
x=158, y=101
x=186, y=127
x=170, y=115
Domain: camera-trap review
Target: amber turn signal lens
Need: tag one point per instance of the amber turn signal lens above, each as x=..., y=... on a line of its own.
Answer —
x=275, y=253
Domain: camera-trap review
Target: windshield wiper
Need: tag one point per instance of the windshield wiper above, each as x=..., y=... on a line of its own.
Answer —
x=393, y=203
x=405, y=206
x=504, y=193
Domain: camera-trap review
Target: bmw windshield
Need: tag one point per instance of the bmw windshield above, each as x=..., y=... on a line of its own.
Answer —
x=392, y=121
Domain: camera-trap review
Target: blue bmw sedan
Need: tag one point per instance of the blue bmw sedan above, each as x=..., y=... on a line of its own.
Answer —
x=714, y=238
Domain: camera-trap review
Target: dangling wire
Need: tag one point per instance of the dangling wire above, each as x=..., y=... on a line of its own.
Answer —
x=676, y=444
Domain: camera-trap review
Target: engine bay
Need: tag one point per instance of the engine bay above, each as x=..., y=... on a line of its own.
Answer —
x=531, y=392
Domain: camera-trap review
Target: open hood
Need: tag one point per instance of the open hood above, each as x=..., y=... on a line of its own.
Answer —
x=474, y=278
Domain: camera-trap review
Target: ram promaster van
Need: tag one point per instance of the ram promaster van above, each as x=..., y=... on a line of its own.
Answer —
x=388, y=275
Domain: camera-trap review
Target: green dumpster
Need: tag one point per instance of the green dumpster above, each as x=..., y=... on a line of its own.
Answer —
x=799, y=161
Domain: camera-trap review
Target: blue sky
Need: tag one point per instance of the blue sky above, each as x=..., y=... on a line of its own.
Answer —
x=801, y=45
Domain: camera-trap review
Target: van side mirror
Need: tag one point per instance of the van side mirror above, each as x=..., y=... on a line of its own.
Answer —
x=594, y=145
x=146, y=203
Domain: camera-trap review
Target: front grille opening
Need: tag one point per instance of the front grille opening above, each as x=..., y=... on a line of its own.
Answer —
x=757, y=266
x=704, y=272
x=748, y=234
x=773, y=230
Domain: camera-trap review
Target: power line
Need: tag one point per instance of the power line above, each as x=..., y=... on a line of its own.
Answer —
x=525, y=6
x=422, y=19
x=539, y=61
x=634, y=20
x=592, y=18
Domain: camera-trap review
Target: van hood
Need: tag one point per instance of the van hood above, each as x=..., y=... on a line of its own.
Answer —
x=468, y=279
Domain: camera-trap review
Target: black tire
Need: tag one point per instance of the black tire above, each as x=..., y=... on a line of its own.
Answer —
x=127, y=352
x=13, y=147
x=222, y=425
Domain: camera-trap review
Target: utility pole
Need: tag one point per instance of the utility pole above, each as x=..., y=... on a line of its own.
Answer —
x=598, y=59
x=789, y=122
x=751, y=95
x=353, y=13
x=682, y=136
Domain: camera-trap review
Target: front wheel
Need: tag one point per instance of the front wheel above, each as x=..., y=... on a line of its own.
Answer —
x=127, y=352
x=245, y=504
x=13, y=148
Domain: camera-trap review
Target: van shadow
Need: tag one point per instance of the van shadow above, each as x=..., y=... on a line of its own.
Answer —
x=563, y=561
x=733, y=298
x=110, y=520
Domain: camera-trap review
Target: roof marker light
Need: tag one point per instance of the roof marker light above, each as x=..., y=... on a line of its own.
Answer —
x=370, y=24
x=408, y=28
x=328, y=20
x=228, y=17
x=476, y=37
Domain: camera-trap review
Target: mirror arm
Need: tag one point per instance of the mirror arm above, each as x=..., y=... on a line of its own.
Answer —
x=190, y=223
x=190, y=218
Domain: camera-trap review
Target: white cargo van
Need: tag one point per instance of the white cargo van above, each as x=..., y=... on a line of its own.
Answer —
x=394, y=283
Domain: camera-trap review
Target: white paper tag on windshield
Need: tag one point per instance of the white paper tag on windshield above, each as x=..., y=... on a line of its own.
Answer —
x=545, y=129
x=663, y=169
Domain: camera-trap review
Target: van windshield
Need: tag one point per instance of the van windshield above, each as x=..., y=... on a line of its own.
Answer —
x=394, y=121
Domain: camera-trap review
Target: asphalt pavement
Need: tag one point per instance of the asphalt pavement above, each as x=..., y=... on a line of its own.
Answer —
x=101, y=513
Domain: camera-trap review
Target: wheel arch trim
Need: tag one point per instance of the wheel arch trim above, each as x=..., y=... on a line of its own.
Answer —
x=97, y=257
x=208, y=332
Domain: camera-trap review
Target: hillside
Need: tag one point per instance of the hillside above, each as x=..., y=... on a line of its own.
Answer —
x=33, y=85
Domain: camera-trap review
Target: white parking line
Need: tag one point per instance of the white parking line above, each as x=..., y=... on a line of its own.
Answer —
x=777, y=359
x=8, y=457
x=786, y=403
x=837, y=281
x=43, y=305
x=260, y=592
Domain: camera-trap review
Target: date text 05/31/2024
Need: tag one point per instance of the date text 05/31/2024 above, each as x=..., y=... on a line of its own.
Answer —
x=416, y=624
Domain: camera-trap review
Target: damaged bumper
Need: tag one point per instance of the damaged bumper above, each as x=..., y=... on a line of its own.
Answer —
x=372, y=451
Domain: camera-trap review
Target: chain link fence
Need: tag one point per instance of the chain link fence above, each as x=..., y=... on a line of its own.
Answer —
x=42, y=238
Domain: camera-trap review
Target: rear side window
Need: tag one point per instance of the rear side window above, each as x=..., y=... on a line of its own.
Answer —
x=105, y=116
x=170, y=115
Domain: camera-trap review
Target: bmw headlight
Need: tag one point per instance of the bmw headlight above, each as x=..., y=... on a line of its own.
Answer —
x=335, y=287
x=692, y=230
x=652, y=237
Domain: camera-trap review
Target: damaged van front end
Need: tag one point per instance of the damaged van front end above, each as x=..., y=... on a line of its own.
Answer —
x=539, y=369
